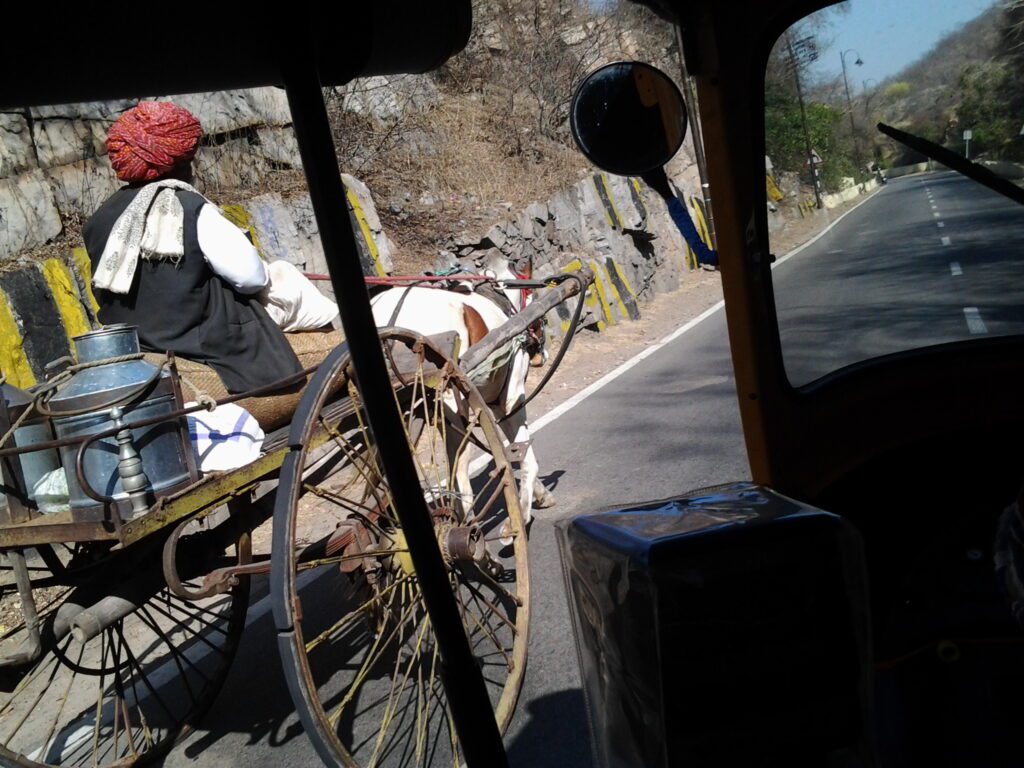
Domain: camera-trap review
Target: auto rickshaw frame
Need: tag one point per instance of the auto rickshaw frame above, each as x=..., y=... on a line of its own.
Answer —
x=800, y=442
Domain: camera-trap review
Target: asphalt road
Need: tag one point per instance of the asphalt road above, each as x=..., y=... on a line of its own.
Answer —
x=879, y=281
x=927, y=259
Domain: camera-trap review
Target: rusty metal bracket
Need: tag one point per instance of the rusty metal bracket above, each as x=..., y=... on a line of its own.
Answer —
x=219, y=580
x=517, y=451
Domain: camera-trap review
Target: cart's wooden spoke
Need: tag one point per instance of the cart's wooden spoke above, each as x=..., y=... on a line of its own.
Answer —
x=495, y=610
x=176, y=655
x=420, y=629
x=63, y=703
x=321, y=562
x=42, y=691
x=487, y=632
x=372, y=657
x=352, y=616
x=379, y=693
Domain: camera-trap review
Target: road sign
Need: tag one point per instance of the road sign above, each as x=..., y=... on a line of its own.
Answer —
x=815, y=158
x=968, y=135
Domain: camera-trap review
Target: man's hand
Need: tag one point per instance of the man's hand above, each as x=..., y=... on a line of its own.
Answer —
x=658, y=181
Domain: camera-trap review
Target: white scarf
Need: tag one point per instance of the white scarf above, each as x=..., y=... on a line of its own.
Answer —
x=153, y=226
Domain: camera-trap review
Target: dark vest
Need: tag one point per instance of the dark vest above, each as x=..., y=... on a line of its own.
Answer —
x=187, y=309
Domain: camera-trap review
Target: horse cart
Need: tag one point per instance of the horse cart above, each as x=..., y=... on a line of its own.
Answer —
x=131, y=600
x=400, y=595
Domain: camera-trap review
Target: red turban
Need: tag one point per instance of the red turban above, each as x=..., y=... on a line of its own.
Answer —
x=147, y=141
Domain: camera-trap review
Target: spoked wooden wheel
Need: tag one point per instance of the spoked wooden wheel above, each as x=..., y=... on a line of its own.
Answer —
x=359, y=652
x=122, y=692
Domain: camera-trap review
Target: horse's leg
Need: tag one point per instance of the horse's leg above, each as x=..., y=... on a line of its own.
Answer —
x=517, y=431
x=542, y=497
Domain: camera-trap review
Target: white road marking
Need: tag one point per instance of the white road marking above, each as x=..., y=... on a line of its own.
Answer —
x=936, y=214
x=954, y=268
x=582, y=395
x=608, y=378
x=941, y=224
x=946, y=240
x=579, y=397
x=974, y=322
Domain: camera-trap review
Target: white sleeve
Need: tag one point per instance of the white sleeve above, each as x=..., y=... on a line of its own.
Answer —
x=229, y=252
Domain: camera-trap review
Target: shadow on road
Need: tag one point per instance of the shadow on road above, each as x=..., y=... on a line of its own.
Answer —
x=551, y=479
x=555, y=734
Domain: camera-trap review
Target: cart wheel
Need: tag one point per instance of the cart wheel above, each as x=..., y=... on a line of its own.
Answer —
x=126, y=694
x=357, y=646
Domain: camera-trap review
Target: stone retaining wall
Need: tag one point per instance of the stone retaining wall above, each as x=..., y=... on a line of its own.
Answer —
x=54, y=168
x=613, y=224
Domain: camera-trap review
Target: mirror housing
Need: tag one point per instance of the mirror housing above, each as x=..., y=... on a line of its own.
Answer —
x=628, y=118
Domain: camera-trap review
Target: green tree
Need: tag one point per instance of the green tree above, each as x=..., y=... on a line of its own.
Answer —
x=991, y=93
x=785, y=141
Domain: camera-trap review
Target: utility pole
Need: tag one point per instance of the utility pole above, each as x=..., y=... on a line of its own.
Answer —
x=795, y=64
x=693, y=119
x=858, y=158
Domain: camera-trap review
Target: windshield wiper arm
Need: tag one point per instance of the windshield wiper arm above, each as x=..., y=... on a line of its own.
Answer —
x=958, y=163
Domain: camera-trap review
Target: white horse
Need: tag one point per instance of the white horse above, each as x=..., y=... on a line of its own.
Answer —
x=431, y=311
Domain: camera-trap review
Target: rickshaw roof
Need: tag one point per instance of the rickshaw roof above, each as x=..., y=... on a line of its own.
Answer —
x=147, y=51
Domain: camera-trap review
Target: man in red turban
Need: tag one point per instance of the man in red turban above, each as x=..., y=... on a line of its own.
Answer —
x=148, y=141
x=165, y=259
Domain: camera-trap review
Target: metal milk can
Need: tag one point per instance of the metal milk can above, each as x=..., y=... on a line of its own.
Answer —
x=33, y=431
x=109, y=395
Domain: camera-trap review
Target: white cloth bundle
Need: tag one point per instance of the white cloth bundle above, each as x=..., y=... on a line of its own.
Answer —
x=225, y=438
x=293, y=302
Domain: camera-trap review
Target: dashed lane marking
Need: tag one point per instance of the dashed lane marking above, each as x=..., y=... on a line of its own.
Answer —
x=954, y=269
x=946, y=240
x=941, y=224
x=936, y=214
x=974, y=322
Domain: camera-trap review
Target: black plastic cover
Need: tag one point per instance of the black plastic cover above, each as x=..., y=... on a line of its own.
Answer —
x=729, y=627
x=149, y=49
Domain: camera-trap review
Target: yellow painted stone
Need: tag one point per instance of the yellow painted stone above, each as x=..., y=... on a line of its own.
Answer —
x=81, y=258
x=600, y=268
x=61, y=283
x=602, y=296
x=625, y=281
x=590, y=300
x=13, y=362
x=364, y=227
x=238, y=216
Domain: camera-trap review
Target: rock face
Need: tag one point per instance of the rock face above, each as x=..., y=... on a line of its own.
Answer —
x=17, y=153
x=53, y=168
x=247, y=133
x=612, y=224
x=287, y=229
x=28, y=213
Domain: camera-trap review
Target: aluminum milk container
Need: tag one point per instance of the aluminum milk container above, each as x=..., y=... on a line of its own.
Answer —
x=34, y=430
x=83, y=407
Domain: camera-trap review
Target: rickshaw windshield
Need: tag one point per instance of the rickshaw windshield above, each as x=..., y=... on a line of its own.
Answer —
x=880, y=249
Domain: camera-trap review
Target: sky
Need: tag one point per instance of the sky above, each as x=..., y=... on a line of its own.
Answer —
x=889, y=34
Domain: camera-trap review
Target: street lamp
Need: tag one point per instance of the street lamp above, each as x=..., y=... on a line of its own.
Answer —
x=849, y=104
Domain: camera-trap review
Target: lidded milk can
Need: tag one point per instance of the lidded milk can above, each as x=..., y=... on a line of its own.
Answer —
x=33, y=430
x=124, y=390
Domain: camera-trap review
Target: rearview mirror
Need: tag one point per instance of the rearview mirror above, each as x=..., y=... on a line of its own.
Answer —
x=628, y=118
